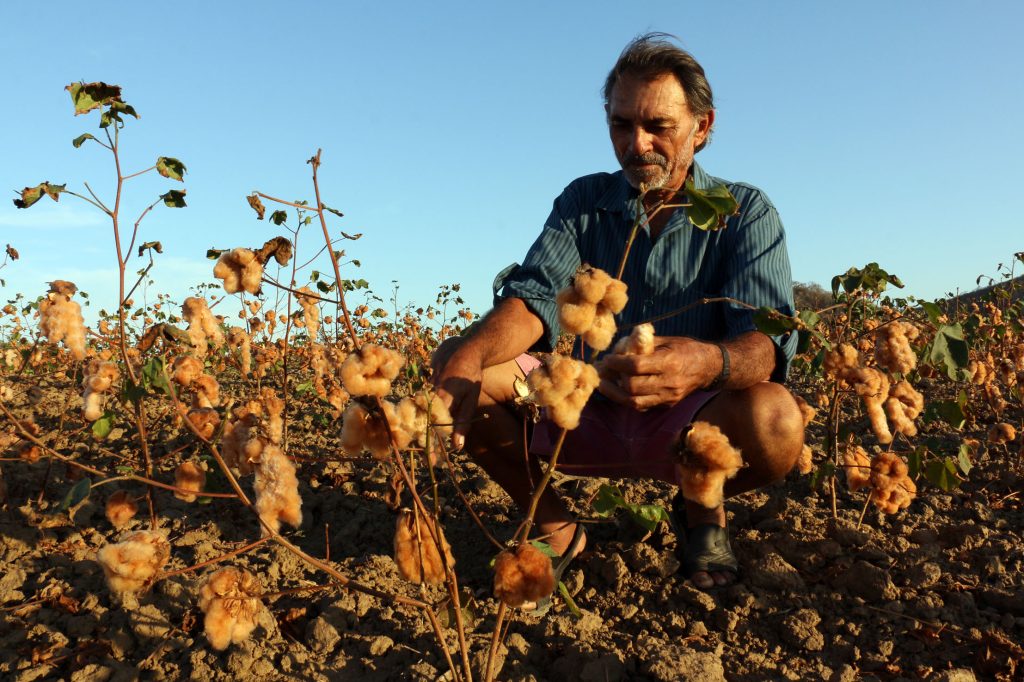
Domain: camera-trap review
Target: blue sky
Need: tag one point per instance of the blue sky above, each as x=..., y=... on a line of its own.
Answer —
x=883, y=131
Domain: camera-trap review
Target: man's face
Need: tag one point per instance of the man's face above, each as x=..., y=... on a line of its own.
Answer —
x=653, y=132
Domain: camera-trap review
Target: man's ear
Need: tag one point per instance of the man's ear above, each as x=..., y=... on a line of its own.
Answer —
x=704, y=125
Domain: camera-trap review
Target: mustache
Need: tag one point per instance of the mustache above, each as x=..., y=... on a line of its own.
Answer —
x=646, y=159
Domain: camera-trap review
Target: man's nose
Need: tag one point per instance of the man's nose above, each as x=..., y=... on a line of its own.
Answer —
x=641, y=141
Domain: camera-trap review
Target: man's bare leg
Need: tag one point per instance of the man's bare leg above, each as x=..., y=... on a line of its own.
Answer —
x=765, y=423
x=496, y=443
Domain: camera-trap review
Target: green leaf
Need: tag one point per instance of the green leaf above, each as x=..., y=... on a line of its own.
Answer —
x=89, y=96
x=174, y=198
x=826, y=470
x=949, y=351
x=132, y=392
x=963, y=459
x=31, y=195
x=545, y=549
x=153, y=375
x=77, y=495
x=102, y=427
x=773, y=323
x=113, y=114
x=949, y=411
x=915, y=460
x=647, y=516
x=80, y=140
x=709, y=207
x=871, y=278
x=942, y=472
x=564, y=591
x=609, y=498
x=334, y=211
x=278, y=217
x=933, y=311
x=170, y=168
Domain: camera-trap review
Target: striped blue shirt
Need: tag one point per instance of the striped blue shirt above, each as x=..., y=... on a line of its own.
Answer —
x=591, y=222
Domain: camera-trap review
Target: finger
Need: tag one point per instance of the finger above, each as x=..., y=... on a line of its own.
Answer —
x=611, y=390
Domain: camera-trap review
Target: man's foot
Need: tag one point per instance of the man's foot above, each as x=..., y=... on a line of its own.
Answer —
x=562, y=536
x=702, y=544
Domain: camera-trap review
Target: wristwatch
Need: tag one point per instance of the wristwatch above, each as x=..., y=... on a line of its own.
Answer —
x=723, y=376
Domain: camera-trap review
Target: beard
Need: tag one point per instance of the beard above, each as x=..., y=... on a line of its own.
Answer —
x=638, y=171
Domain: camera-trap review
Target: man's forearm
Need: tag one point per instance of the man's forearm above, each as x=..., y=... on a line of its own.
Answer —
x=751, y=360
x=506, y=332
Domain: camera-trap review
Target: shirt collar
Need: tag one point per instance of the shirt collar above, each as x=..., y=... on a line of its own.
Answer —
x=620, y=197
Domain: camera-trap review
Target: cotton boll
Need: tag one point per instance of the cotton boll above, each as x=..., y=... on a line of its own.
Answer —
x=311, y=313
x=362, y=431
x=563, y=385
x=207, y=391
x=130, y=565
x=277, y=489
x=591, y=283
x=903, y=406
x=710, y=459
x=602, y=331
x=204, y=420
x=805, y=462
x=416, y=552
x=370, y=370
x=615, y=297
x=1001, y=433
x=60, y=319
x=575, y=315
x=189, y=476
x=230, y=599
x=240, y=271
x=185, y=369
x=522, y=576
x=857, y=466
x=203, y=327
x=873, y=387
x=238, y=339
x=121, y=508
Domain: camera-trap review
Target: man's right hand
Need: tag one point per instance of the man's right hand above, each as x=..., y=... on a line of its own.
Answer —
x=458, y=374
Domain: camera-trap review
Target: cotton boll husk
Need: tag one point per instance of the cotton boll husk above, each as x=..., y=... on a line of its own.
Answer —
x=574, y=314
x=130, y=564
x=362, y=431
x=602, y=331
x=121, y=508
x=230, y=599
x=371, y=370
x=710, y=460
x=189, y=476
x=857, y=466
x=416, y=553
x=525, y=575
x=277, y=489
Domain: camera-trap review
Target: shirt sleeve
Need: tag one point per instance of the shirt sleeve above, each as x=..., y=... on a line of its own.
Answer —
x=547, y=268
x=759, y=274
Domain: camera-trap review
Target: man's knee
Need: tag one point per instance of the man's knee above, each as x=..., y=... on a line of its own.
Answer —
x=765, y=422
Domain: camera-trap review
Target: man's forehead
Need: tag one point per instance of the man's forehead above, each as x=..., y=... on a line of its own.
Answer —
x=660, y=95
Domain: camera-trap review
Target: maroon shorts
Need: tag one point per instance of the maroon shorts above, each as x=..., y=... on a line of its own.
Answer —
x=615, y=441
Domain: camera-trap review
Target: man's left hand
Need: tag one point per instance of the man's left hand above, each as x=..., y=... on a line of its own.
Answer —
x=677, y=367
